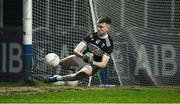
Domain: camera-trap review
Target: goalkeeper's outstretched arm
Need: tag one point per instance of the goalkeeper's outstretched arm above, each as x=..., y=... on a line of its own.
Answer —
x=103, y=63
x=78, y=52
x=79, y=48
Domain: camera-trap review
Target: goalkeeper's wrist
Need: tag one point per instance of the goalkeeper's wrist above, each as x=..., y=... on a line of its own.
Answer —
x=82, y=56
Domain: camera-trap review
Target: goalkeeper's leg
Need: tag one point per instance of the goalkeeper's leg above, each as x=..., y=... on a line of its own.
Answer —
x=83, y=73
x=71, y=61
x=86, y=71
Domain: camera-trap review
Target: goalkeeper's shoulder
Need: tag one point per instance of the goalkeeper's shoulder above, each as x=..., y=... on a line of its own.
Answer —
x=92, y=34
x=110, y=38
x=111, y=43
x=88, y=37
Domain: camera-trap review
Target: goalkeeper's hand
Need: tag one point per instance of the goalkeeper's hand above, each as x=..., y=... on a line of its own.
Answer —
x=89, y=57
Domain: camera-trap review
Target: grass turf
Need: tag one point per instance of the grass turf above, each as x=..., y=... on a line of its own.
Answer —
x=93, y=95
x=64, y=94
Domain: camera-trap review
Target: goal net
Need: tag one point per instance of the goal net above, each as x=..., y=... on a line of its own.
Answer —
x=58, y=26
x=146, y=36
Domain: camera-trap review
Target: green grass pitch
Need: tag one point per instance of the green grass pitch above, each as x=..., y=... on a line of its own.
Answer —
x=13, y=93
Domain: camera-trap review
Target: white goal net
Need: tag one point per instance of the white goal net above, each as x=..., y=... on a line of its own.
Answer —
x=58, y=26
x=146, y=36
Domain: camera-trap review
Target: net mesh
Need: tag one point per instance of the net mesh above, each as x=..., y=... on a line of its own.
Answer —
x=145, y=33
x=58, y=26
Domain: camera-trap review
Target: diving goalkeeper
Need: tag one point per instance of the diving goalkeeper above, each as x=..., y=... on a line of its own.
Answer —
x=94, y=50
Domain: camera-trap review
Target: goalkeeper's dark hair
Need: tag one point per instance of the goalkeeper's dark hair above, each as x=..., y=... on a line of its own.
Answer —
x=106, y=20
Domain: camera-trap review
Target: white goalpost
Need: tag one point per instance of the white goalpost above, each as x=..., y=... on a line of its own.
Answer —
x=94, y=27
x=27, y=38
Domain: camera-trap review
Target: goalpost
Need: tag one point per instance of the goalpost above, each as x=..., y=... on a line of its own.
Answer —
x=27, y=38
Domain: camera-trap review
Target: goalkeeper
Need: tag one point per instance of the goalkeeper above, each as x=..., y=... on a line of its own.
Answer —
x=95, y=51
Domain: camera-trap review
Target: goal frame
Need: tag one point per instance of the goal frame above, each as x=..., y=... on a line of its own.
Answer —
x=27, y=38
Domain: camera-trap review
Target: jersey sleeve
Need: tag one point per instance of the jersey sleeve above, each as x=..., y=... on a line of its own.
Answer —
x=109, y=49
x=87, y=39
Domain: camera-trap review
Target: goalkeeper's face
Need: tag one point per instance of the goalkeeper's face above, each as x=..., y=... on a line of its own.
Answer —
x=103, y=28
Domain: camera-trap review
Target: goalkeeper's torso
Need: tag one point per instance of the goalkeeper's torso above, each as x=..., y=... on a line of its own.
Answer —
x=98, y=46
